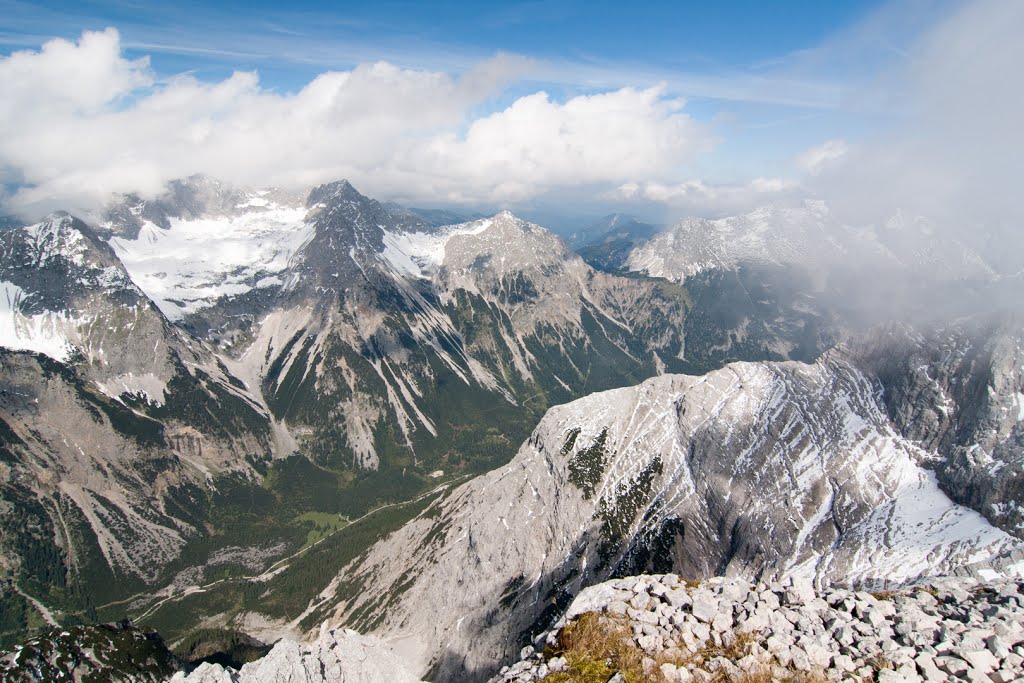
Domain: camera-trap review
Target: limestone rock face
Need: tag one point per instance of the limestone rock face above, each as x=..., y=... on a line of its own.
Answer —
x=337, y=657
x=759, y=470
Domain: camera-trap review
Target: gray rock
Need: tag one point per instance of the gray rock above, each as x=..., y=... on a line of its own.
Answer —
x=721, y=623
x=890, y=676
x=927, y=668
x=997, y=647
x=1005, y=676
x=983, y=660
x=338, y=657
x=705, y=606
x=954, y=666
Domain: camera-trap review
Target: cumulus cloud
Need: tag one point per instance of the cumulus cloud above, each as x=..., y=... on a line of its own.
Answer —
x=537, y=143
x=84, y=121
x=65, y=77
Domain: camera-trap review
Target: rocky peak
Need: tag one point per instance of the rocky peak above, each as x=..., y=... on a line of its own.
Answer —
x=187, y=198
x=337, y=191
x=341, y=209
x=61, y=235
x=503, y=244
x=60, y=260
x=348, y=236
x=336, y=657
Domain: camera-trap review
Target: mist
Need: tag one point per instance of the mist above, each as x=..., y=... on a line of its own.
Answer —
x=928, y=211
x=954, y=152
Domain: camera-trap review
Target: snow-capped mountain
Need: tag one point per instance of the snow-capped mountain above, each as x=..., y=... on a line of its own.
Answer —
x=154, y=362
x=186, y=338
x=204, y=243
x=112, y=420
x=759, y=470
x=48, y=271
x=67, y=296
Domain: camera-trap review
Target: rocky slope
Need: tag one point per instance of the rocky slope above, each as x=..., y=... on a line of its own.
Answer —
x=664, y=629
x=118, y=653
x=756, y=470
x=659, y=628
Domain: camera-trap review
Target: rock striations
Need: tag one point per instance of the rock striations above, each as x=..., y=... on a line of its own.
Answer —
x=734, y=630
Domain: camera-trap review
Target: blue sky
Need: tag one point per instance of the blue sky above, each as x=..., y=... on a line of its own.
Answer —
x=291, y=44
x=763, y=82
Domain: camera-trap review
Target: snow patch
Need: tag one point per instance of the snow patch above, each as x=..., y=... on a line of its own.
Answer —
x=147, y=385
x=45, y=333
x=194, y=263
x=420, y=254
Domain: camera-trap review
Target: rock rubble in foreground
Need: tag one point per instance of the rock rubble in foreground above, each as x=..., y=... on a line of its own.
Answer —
x=732, y=630
x=336, y=657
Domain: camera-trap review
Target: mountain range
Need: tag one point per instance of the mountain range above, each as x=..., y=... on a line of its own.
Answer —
x=228, y=411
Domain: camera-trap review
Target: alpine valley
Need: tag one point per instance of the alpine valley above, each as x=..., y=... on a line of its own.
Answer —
x=238, y=417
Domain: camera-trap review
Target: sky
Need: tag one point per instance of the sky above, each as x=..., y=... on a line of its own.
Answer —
x=657, y=109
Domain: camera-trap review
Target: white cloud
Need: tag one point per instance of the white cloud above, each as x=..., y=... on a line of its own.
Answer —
x=815, y=159
x=83, y=121
x=65, y=77
x=536, y=143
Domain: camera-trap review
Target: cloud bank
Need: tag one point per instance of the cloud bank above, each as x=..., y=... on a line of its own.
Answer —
x=82, y=121
x=706, y=198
